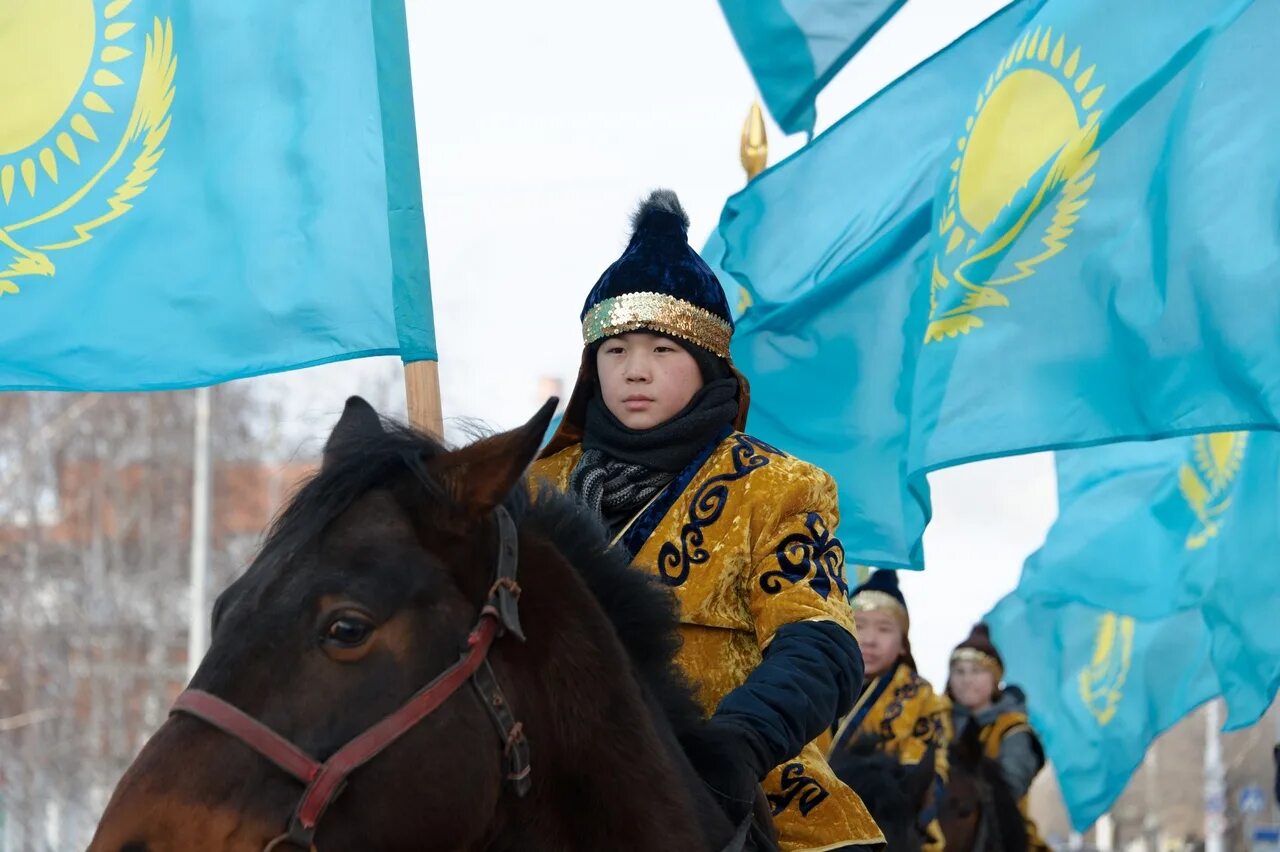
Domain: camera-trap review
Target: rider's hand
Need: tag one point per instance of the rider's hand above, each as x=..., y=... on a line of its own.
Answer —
x=724, y=754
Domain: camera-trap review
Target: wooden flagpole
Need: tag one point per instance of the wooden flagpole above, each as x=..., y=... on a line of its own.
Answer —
x=422, y=395
x=201, y=492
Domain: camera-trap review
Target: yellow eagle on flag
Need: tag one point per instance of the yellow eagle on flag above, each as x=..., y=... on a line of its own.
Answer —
x=1031, y=141
x=70, y=70
x=1102, y=680
x=1206, y=480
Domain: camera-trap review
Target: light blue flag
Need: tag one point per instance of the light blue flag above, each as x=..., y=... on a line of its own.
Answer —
x=1154, y=529
x=1139, y=523
x=795, y=47
x=829, y=244
x=197, y=192
x=1105, y=243
x=1100, y=687
x=1181, y=533
x=713, y=252
x=1241, y=615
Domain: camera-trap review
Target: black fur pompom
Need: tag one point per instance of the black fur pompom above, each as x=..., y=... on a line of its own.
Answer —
x=659, y=201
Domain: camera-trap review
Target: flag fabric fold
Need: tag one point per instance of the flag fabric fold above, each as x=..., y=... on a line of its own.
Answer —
x=829, y=246
x=795, y=47
x=1153, y=592
x=1100, y=688
x=204, y=193
x=1105, y=237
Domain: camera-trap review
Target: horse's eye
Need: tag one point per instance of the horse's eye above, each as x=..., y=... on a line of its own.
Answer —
x=348, y=631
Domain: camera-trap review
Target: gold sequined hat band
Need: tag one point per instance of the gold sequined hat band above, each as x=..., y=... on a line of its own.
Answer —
x=659, y=313
x=981, y=658
x=868, y=600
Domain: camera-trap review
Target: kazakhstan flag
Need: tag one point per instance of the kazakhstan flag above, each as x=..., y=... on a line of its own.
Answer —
x=830, y=245
x=1142, y=526
x=1153, y=592
x=1106, y=235
x=198, y=192
x=1100, y=688
x=1153, y=529
x=795, y=47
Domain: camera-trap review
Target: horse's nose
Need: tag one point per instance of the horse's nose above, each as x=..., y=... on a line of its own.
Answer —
x=134, y=846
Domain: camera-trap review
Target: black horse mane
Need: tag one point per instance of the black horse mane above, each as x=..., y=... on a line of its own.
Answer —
x=361, y=465
x=878, y=779
x=643, y=613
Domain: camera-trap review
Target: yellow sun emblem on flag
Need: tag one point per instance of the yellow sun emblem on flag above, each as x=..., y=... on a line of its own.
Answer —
x=1102, y=680
x=1029, y=142
x=87, y=89
x=1207, y=479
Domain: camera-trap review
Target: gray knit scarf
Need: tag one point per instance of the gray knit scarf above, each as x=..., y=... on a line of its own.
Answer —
x=622, y=469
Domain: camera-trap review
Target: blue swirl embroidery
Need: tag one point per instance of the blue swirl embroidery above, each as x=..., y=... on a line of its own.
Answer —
x=897, y=704
x=816, y=556
x=708, y=504
x=795, y=784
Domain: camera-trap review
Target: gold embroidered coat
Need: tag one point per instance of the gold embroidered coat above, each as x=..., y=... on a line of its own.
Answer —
x=900, y=710
x=747, y=546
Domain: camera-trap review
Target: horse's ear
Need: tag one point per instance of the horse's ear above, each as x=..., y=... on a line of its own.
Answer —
x=920, y=779
x=480, y=476
x=358, y=423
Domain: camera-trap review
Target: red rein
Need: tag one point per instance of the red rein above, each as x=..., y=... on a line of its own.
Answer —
x=325, y=781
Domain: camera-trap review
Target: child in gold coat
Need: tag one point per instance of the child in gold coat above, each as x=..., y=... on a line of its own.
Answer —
x=742, y=533
x=897, y=709
x=1000, y=714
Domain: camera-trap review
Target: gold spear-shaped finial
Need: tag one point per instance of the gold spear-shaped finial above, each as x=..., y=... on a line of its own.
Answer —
x=754, y=151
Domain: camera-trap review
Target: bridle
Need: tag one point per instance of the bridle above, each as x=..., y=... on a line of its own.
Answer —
x=325, y=781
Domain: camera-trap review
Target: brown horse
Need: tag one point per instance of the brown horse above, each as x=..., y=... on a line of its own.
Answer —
x=979, y=813
x=394, y=568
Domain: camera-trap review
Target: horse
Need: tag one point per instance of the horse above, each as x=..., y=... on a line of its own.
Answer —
x=553, y=716
x=979, y=812
x=895, y=794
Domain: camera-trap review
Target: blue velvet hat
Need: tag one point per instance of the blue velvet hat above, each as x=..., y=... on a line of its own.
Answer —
x=660, y=284
x=881, y=592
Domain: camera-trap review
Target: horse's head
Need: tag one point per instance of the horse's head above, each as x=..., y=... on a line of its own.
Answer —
x=979, y=811
x=365, y=590
x=895, y=794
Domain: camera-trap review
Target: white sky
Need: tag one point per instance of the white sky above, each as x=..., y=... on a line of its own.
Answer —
x=540, y=125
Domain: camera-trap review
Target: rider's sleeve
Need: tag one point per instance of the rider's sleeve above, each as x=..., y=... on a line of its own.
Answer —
x=1020, y=759
x=811, y=669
